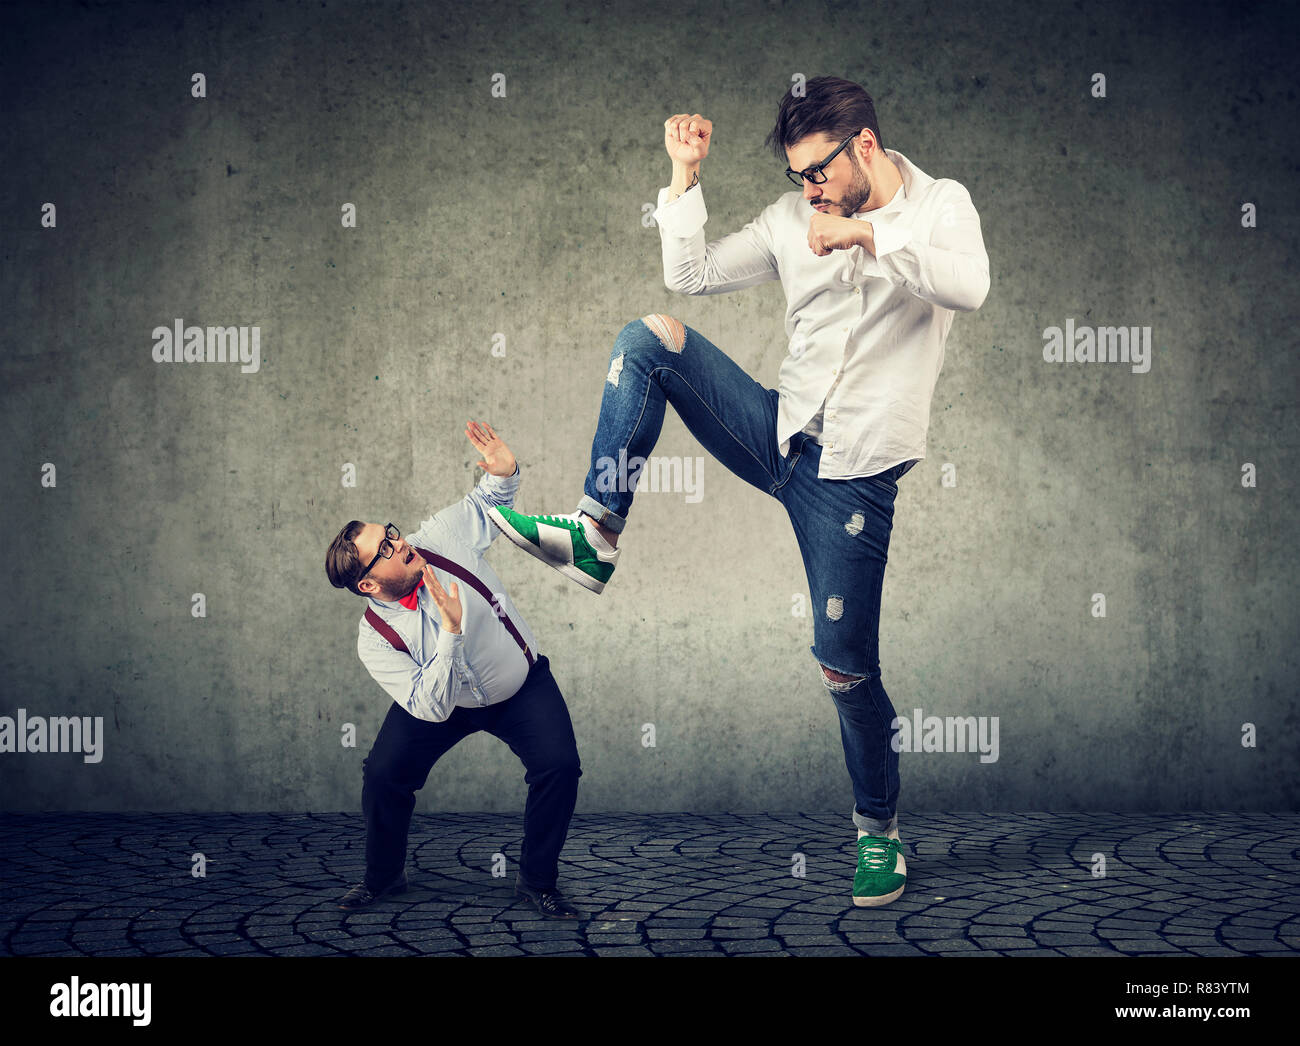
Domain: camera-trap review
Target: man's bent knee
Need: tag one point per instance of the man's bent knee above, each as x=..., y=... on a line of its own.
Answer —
x=670, y=331
x=838, y=681
x=560, y=767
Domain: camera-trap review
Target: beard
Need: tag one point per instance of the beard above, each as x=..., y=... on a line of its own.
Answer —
x=857, y=193
x=402, y=589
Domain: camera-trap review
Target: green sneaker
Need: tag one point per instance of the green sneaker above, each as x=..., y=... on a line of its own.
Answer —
x=560, y=542
x=882, y=871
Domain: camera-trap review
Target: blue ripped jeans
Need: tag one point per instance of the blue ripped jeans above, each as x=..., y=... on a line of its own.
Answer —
x=842, y=525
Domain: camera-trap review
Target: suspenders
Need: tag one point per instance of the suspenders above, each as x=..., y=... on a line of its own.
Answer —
x=384, y=629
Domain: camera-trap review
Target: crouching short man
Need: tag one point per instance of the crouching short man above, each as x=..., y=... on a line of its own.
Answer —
x=443, y=638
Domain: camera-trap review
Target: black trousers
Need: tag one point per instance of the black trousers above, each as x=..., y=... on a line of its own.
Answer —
x=534, y=723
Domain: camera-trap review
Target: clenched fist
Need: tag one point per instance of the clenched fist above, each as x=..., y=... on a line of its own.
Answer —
x=830, y=232
x=687, y=138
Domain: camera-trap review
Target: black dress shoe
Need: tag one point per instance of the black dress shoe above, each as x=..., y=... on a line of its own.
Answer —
x=550, y=903
x=361, y=895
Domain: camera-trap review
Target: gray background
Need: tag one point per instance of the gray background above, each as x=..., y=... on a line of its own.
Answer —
x=522, y=216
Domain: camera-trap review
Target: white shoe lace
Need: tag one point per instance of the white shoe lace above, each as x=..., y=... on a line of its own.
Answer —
x=874, y=851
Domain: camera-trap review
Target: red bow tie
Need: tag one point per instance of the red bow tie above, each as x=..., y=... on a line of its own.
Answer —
x=410, y=601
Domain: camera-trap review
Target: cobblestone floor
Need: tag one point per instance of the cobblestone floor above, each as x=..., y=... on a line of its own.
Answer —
x=661, y=884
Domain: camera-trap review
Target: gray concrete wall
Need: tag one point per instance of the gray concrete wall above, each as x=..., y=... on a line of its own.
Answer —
x=522, y=215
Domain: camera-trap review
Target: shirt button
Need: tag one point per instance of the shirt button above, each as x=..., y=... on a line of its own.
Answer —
x=831, y=413
x=834, y=371
x=857, y=290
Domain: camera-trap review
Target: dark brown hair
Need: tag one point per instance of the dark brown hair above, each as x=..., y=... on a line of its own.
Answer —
x=831, y=106
x=343, y=561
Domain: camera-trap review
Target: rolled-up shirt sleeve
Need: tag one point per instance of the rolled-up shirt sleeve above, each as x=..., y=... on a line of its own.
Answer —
x=950, y=269
x=428, y=690
x=692, y=266
x=467, y=520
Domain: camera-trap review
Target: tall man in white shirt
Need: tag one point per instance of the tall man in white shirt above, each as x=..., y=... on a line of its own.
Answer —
x=875, y=258
x=454, y=666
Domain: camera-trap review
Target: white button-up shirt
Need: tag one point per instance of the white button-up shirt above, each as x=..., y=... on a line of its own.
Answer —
x=866, y=334
x=480, y=665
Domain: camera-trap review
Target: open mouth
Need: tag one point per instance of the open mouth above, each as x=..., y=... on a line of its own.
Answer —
x=410, y=556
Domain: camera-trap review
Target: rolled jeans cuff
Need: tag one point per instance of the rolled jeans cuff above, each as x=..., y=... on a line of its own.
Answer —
x=602, y=515
x=873, y=825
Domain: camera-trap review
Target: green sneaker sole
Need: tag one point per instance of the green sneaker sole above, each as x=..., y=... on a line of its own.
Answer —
x=881, y=899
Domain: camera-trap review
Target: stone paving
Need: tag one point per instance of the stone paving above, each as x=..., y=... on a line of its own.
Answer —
x=654, y=884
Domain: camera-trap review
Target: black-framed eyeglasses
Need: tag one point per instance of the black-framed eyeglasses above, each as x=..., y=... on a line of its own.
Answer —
x=815, y=174
x=386, y=547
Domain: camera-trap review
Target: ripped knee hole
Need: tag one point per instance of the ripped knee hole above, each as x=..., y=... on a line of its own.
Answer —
x=669, y=330
x=838, y=681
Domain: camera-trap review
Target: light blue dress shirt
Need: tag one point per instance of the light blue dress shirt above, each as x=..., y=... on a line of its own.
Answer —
x=481, y=665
